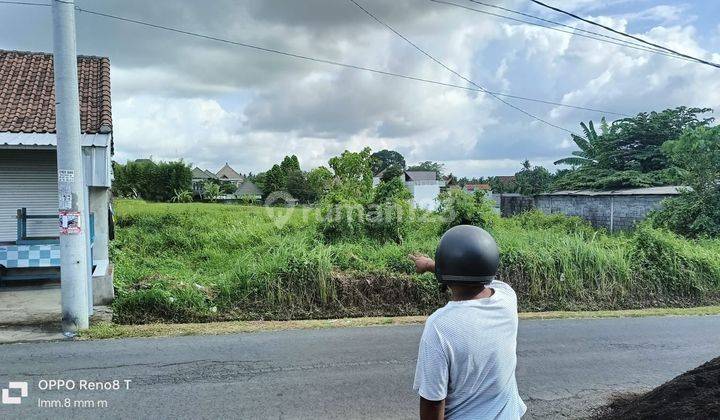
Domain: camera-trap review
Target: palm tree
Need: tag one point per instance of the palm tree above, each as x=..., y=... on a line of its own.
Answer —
x=589, y=147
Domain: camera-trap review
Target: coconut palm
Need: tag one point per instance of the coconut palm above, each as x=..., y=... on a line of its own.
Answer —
x=589, y=147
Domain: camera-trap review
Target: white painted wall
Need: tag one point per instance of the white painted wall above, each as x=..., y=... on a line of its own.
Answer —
x=425, y=196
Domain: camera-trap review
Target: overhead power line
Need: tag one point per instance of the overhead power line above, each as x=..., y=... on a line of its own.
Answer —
x=699, y=60
x=596, y=36
x=574, y=28
x=517, y=12
x=321, y=60
x=430, y=56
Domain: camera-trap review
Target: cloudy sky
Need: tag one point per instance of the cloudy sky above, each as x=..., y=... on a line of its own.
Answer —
x=176, y=96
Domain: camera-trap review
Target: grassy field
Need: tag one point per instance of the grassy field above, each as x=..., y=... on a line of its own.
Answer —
x=212, y=262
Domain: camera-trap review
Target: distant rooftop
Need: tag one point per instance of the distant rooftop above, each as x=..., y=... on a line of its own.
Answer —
x=226, y=172
x=420, y=175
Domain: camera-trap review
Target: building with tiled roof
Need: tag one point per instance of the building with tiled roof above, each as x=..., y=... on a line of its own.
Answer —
x=199, y=178
x=471, y=188
x=27, y=93
x=228, y=174
x=28, y=161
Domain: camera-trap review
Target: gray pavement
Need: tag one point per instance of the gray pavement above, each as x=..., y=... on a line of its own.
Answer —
x=565, y=367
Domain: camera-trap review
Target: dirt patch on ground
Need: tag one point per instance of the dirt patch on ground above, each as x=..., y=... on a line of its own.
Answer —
x=693, y=395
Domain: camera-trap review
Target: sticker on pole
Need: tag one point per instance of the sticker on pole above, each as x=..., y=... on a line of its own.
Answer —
x=69, y=222
x=65, y=195
x=66, y=175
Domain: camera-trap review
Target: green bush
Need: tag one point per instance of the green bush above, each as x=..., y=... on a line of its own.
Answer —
x=672, y=266
x=696, y=212
x=386, y=218
x=389, y=221
x=460, y=208
x=341, y=218
x=535, y=219
x=152, y=181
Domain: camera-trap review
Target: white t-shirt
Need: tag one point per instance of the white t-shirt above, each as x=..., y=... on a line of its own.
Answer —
x=467, y=357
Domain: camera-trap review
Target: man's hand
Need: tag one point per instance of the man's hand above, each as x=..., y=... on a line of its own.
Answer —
x=423, y=263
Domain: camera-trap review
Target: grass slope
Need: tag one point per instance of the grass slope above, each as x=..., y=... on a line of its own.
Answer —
x=212, y=262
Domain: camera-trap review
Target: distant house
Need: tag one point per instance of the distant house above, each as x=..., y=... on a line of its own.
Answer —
x=423, y=185
x=472, y=188
x=228, y=174
x=248, y=190
x=614, y=210
x=29, y=228
x=199, y=178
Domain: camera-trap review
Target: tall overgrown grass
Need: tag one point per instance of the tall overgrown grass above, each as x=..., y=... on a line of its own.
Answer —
x=201, y=262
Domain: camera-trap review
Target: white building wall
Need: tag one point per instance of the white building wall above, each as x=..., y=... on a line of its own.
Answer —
x=424, y=196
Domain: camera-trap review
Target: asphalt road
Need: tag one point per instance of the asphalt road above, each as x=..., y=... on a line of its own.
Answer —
x=564, y=367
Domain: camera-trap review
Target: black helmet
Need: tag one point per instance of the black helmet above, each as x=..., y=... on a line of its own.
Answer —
x=466, y=254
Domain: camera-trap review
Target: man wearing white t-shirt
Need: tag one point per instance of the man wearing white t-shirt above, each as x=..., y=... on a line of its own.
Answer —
x=466, y=361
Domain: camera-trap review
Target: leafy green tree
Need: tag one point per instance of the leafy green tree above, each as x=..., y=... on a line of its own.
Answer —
x=319, y=181
x=275, y=180
x=500, y=185
x=297, y=185
x=386, y=158
x=352, y=208
x=391, y=189
x=151, y=181
x=695, y=212
x=628, y=153
x=354, y=173
x=533, y=180
x=429, y=166
x=460, y=208
x=290, y=164
x=636, y=143
x=227, y=188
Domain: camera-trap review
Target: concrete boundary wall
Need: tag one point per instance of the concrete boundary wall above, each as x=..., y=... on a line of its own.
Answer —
x=613, y=212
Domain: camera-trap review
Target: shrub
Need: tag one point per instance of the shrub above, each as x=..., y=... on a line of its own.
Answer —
x=672, y=266
x=696, y=212
x=535, y=219
x=151, y=181
x=389, y=221
x=460, y=208
x=386, y=218
x=341, y=218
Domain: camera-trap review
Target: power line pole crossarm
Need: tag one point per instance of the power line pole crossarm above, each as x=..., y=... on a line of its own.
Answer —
x=71, y=185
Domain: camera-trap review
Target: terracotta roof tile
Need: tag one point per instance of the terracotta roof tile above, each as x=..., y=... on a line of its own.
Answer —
x=27, y=93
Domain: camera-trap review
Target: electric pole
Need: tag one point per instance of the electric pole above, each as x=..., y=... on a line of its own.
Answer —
x=71, y=184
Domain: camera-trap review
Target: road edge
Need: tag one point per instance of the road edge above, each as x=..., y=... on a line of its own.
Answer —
x=106, y=330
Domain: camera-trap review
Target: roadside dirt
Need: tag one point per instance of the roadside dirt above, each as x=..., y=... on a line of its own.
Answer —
x=693, y=395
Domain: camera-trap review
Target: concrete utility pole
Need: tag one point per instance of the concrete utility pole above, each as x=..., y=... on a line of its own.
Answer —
x=71, y=185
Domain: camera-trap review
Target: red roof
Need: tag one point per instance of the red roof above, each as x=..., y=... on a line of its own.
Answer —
x=475, y=187
x=27, y=93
